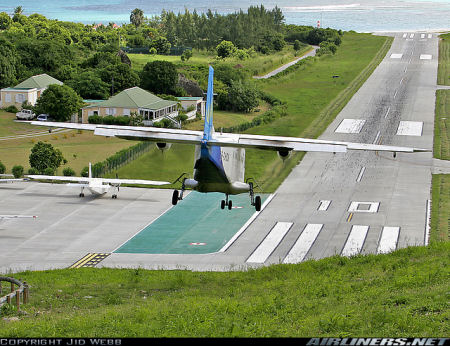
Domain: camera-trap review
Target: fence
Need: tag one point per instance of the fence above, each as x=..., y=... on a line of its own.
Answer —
x=15, y=293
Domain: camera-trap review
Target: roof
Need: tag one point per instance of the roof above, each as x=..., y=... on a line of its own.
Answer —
x=39, y=81
x=135, y=98
x=189, y=98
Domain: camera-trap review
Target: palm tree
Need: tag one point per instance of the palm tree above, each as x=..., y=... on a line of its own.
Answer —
x=18, y=10
x=137, y=17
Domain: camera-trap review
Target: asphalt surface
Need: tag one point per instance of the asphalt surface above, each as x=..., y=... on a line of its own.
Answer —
x=344, y=204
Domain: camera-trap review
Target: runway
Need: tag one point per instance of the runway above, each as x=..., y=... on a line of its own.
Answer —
x=330, y=204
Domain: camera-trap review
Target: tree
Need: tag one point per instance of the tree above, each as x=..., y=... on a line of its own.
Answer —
x=59, y=101
x=9, y=63
x=89, y=86
x=2, y=168
x=241, y=97
x=44, y=156
x=159, y=77
x=225, y=49
x=5, y=21
x=297, y=45
x=137, y=17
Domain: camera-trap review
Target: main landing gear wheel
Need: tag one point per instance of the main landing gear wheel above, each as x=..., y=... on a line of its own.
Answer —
x=258, y=203
x=114, y=196
x=175, y=197
x=222, y=204
x=81, y=194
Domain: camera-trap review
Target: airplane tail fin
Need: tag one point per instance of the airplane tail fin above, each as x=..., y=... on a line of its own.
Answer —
x=90, y=170
x=208, y=129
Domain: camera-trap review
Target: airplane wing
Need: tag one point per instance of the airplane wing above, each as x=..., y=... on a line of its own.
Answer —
x=227, y=139
x=82, y=181
x=7, y=217
x=134, y=181
x=9, y=180
x=59, y=178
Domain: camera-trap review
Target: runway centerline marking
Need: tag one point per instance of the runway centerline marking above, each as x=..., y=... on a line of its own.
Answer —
x=270, y=242
x=304, y=242
x=396, y=56
x=385, y=116
x=361, y=173
x=425, y=56
x=355, y=240
x=364, y=207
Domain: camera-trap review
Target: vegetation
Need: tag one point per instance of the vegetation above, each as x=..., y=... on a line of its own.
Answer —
x=444, y=60
x=44, y=156
x=441, y=148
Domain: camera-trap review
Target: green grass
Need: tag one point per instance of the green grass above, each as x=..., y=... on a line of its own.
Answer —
x=78, y=148
x=440, y=208
x=444, y=60
x=402, y=294
x=441, y=148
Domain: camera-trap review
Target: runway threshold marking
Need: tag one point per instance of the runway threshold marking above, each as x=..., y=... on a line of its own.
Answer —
x=350, y=126
x=324, y=204
x=304, y=242
x=90, y=260
x=355, y=240
x=270, y=242
x=410, y=128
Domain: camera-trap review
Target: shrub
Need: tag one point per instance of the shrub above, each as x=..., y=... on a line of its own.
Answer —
x=2, y=168
x=95, y=119
x=49, y=171
x=85, y=172
x=33, y=171
x=68, y=172
x=11, y=109
x=17, y=171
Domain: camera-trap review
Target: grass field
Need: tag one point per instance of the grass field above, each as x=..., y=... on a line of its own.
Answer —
x=78, y=148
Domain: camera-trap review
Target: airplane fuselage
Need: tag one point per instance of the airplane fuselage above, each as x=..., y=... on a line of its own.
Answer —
x=218, y=169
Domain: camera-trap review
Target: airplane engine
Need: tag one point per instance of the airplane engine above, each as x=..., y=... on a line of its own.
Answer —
x=163, y=146
x=284, y=154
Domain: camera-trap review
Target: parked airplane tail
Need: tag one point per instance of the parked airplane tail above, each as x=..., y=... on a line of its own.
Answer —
x=90, y=170
x=208, y=129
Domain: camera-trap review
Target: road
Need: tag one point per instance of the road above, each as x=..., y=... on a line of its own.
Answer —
x=330, y=204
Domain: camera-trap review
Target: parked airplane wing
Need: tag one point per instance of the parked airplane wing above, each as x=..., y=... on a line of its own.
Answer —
x=134, y=181
x=9, y=180
x=228, y=139
x=60, y=178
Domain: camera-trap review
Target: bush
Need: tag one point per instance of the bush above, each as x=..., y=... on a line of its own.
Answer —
x=17, y=171
x=68, y=172
x=33, y=171
x=49, y=171
x=11, y=109
x=95, y=119
x=85, y=172
x=2, y=168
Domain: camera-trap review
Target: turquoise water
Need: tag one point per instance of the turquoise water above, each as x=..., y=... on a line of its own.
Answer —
x=358, y=15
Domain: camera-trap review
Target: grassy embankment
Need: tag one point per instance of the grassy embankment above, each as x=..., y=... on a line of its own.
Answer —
x=404, y=293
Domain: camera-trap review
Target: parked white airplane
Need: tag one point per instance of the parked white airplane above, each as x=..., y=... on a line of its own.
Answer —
x=8, y=217
x=219, y=164
x=8, y=180
x=97, y=186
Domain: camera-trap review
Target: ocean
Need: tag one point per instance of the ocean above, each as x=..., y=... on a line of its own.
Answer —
x=357, y=15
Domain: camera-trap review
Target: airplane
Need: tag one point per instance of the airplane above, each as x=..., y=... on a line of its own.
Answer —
x=97, y=186
x=8, y=180
x=8, y=217
x=219, y=163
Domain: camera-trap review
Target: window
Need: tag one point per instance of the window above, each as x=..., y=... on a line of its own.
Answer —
x=126, y=112
x=111, y=111
x=20, y=98
x=7, y=97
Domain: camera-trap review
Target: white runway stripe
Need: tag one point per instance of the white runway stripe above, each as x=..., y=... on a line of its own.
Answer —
x=410, y=128
x=388, y=240
x=270, y=242
x=350, y=126
x=303, y=243
x=324, y=205
x=355, y=240
x=396, y=56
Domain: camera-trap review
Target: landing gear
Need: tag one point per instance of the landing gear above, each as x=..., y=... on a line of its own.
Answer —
x=114, y=196
x=254, y=200
x=178, y=195
x=82, y=192
x=225, y=203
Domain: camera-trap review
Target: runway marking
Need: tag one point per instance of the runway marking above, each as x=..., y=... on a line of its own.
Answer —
x=385, y=116
x=411, y=36
x=410, y=128
x=324, y=205
x=425, y=56
x=422, y=35
x=395, y=94
x=430, y=35
x=349, y=217
x=388, y=239
x=396, y=56
x=361, y=173
x=270, y=242
x=376, y=137
x=355, y=240
x=364, y=207
x=303, y=243
x=90, y=260
x=350, y=126
x=427, y=223
x=404, y=35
